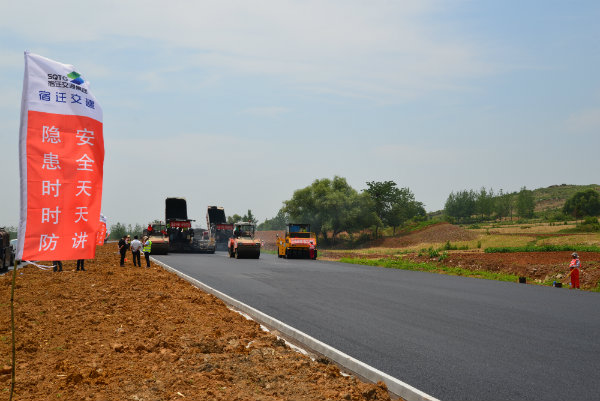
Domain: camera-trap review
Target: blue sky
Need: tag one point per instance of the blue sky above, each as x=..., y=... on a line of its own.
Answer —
x=239, y=103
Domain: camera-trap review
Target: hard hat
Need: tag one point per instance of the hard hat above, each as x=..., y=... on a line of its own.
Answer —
x=574, y=254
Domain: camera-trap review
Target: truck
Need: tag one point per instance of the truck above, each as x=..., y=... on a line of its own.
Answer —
x=242, y=243
x=7, y=253
x=218, y=226
x=298, y=242
x=181, y=236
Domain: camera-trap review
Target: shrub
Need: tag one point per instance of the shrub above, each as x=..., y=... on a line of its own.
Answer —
x=433, y=253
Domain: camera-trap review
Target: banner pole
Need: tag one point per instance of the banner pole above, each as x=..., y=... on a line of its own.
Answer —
x=12, y=323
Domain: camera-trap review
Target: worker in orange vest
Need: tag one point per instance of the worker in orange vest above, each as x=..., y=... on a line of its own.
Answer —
x=574, y=270
x=312, y=251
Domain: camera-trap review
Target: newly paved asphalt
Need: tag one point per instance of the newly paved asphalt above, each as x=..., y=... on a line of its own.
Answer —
x=454, y=338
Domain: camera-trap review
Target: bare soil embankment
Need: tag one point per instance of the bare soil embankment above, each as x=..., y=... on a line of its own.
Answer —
x=538, y=267
x=125, y=333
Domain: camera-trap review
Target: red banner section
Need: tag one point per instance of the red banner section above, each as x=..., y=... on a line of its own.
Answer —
x=65, y=158
x=101, y=234
x=224, y=227
x=181, y=224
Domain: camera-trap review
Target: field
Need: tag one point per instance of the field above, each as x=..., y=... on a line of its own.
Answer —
x=125, y=333
x=451, y=249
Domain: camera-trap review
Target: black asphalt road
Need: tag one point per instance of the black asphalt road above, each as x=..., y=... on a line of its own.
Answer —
x=454, y=338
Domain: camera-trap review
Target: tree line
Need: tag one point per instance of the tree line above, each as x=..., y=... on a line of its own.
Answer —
x=485, y=204
x=332, y=206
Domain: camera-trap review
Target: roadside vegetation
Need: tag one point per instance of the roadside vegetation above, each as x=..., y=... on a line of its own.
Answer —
x=430, y=267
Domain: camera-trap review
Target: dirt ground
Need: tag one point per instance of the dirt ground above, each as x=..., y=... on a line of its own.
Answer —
x=125, y=333
x=537, y=267
x=437, y=233
x=268, y=238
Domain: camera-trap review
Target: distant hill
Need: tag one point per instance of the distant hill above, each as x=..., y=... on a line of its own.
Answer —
x=554, y=196
x=546, y=199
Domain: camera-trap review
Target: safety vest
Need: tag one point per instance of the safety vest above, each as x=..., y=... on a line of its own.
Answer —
x=147, y=246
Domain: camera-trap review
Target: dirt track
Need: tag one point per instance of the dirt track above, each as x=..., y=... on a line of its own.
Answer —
x=114, y=333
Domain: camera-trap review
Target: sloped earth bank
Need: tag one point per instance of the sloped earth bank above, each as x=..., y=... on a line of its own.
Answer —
x=125, y=333
x=537, y=267
x=441, y=232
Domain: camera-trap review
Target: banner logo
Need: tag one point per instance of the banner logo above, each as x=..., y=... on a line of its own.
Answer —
x=75, y=78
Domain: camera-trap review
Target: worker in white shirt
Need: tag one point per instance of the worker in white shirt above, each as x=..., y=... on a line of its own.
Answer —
x=136, y=248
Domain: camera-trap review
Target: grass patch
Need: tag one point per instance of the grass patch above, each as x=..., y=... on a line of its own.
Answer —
x=431, y=267
x=268, y=251
x=543, y=248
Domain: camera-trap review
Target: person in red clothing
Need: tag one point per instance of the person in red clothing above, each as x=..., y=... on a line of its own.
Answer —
x=574, y=270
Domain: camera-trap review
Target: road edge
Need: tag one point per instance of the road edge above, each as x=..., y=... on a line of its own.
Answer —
x=404, y=390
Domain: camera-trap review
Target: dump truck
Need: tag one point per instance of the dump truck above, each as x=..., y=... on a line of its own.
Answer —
x=7, y=253
x=298, y=242
x=181, y=235
x=217, y=224
x=157, y=233
x=242, y=243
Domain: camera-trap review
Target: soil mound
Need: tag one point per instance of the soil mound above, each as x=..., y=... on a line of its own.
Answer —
x=268, y=238
x=441, y=232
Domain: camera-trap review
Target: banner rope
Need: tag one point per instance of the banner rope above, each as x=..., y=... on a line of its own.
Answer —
x=41, y=267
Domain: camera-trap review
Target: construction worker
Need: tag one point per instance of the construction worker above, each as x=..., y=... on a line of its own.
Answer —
x=57, y=266
x=312, y=251
x=147, y=249
x=574, y=270
x=123, y=249
x=136, y=247
x=80, y=263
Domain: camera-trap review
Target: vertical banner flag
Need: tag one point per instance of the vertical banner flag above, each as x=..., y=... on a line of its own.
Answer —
x=101, y=234
x=61, y=149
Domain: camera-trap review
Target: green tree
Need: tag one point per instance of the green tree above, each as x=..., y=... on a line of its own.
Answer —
x=249, y=217
x=117, y=231
x=485, y=202
x=525, y=203
x=503, y=205
x=331, y=206
x=383, y=196
x=393, y=206
x=234, y=219
x=404, y=207
x=461, y=205
x=279, y=222
x=583, y=203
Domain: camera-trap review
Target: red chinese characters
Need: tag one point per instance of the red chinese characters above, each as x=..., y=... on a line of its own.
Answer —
x=65, y=158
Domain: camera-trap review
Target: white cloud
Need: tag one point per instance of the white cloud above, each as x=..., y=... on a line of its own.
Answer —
x=361, y=48
x=267, y=111
x=584, y=121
